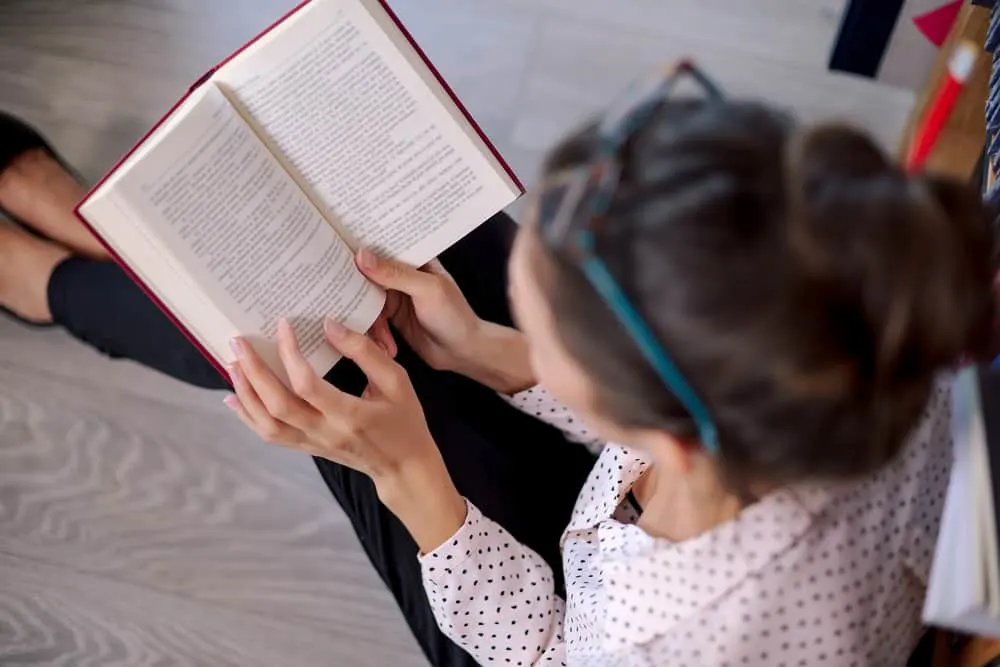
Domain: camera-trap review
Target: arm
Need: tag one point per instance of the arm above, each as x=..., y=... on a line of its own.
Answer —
x=497, y=357
x=494, y=597
x=384, y=434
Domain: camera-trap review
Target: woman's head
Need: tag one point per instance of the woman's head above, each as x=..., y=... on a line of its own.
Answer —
x=808, y=290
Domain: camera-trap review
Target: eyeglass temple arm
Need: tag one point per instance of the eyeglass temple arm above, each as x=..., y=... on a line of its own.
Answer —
x=599, y=276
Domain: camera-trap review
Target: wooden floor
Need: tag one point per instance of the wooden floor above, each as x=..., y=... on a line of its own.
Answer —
x=139, y=524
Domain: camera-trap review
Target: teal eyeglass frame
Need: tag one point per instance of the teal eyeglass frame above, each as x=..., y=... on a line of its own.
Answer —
x=582, y=209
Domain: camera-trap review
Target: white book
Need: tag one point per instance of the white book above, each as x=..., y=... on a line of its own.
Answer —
x=245, y=203
x=963, y=593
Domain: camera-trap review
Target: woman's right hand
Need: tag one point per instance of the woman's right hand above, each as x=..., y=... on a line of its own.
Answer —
x=427, y=307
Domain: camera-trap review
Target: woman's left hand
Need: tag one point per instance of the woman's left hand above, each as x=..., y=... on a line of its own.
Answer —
x=383, y=433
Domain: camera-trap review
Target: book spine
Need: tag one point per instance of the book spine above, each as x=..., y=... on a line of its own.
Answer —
x=201, y=81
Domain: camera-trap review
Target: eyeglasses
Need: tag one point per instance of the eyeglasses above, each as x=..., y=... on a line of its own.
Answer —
x=573, y=213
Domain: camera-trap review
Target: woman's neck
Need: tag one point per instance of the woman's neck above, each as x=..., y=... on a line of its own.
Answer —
x=679, y=506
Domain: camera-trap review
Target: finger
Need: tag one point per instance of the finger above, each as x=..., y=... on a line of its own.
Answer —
x=306, y=384
x=382, y=372
x=382, y=335
x=280, y=403
x=249, y=408
x=393, y=302
x=247, y=397
x=233, y=403
x=391, y=274
x=291, y=437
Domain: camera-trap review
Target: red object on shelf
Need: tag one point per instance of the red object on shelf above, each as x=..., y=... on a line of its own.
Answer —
x=936, y=24
x=960, y=67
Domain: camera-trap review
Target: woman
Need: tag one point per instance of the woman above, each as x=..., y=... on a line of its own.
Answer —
x=757, y=315
x=59, y=274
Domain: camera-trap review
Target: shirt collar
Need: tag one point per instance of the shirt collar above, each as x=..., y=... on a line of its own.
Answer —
x=616, y=470
x=651, y=584
x=640, y=573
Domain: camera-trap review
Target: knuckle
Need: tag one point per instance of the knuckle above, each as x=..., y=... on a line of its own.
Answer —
x=437, y=362
x=352, y=433
x=281, y=408
x=363, y=345
x=396, y=378
x=270, y=431
x=360, y=423
x=388, y=268
x=334, y=448
x=305, y=385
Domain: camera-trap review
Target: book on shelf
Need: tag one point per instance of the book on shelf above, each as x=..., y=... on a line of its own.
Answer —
x=963, y=593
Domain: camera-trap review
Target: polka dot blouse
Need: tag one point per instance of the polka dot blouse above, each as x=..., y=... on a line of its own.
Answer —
x=809, y=575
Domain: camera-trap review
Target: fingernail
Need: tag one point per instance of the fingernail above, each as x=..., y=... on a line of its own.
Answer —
x=237, y=345
x=235, y=374
x=284, y=324
x=335, y=329
x=231, y=402
x=367, y=259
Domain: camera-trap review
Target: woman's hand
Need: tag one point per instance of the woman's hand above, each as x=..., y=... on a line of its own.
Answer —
x=383, y=433
x=428, y=308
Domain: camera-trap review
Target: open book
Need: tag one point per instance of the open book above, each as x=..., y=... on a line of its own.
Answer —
x=964, y=588
x=328, y=131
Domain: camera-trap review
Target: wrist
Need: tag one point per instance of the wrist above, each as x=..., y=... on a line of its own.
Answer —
x=425, y=500
x=498, y=358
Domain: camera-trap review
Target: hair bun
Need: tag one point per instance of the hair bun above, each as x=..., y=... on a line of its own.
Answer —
x=900, y=267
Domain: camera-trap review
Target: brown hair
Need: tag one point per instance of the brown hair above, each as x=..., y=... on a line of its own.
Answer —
x=809, y=290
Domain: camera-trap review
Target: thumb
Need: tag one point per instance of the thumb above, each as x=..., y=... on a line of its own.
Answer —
x=391, y=274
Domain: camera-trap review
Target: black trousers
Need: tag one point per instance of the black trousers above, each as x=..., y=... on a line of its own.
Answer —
x=518, y=471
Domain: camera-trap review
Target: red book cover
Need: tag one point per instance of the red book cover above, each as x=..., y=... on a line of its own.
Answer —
x=145, y=288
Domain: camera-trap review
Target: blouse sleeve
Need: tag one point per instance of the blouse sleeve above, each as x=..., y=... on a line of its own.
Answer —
x=495, y=597
x=541, y=404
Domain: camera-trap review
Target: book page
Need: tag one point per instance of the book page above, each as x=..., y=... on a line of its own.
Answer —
x=184, y=299
x=364, y=132
x=223, y=210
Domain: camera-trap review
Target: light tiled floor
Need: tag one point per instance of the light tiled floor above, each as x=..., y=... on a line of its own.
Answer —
x=139, y=524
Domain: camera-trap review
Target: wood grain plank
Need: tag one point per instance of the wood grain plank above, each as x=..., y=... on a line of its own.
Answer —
x=51, y=616
x=183, y=503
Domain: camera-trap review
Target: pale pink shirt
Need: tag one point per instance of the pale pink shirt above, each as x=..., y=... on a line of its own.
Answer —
x=810, y=575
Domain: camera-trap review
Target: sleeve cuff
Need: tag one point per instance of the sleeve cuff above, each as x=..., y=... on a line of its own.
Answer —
x=440, y=564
